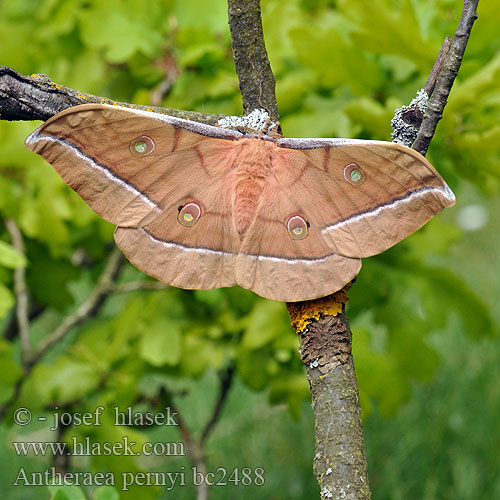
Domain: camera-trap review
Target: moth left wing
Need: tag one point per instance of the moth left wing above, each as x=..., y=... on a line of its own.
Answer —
x=363, y=196
x=353, y=198
x=276, y=266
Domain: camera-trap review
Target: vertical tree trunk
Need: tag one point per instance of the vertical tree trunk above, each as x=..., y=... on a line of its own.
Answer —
x=326, y=349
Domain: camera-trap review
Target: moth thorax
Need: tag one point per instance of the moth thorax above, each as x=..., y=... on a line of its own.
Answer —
x=254, y=158
x=246, y=198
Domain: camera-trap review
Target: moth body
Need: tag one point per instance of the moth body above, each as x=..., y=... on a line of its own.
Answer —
x=252, y=165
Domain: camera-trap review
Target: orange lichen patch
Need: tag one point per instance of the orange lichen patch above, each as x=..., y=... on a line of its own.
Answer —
x=304, y=313
x=82, y=96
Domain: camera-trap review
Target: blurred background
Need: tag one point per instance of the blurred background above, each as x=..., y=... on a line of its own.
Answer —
x=425, y=315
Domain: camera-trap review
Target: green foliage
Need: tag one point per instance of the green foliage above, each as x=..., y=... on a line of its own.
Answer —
x=66, y=493
x=341, y=68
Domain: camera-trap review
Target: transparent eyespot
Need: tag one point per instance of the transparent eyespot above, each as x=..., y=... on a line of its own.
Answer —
x=189, y=214
x=142, y=146
x=354, y=175
x=298, y=227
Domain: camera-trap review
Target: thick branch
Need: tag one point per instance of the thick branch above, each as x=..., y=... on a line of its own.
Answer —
x=338, y=429
x=257, y=83
x=446, y=77
x=339, y=461
x=36, y=97
x=326, y=350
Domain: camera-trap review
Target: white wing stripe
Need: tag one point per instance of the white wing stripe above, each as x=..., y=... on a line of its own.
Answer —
x=445, y=191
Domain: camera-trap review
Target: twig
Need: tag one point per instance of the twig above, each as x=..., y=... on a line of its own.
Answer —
x=194, y=448
x=96, y=298
x=103, y=287
x=438, y=64
x=21, y=292
x=36, y=97
x=446, y=77
x=225, y=381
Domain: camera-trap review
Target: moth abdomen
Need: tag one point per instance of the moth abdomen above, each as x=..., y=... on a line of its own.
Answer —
x=247, y=194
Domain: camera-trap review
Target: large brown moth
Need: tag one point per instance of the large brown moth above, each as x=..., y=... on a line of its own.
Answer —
x=199, y=207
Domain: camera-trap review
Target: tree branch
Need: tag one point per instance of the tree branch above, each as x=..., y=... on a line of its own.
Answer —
x=257, y=86
x=326, y=350
x=339, y=461
x=446, y=77
x=36, y=97
x=257, y=83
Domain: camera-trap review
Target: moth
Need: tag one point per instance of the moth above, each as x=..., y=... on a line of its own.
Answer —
x=201, y=207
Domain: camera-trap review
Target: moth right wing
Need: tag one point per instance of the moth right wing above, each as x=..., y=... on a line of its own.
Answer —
x=91, y=147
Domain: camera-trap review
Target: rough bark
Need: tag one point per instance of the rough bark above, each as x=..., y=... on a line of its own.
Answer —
x=37, y=97
x=326, y=350
x=254, y=72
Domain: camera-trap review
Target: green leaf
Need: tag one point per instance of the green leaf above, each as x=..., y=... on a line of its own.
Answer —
x=161, y=342
x=123, y=28
x=10, y=257
x=374, y=118
x=66, y=493
x=60, y=495
x=455, y=295
x=11, y=371
x=7, y=300
x=44, y=269
x=397, y=30
x=320, y=117
x=252, y=368
x=62, y=381
x=267, y=321
x=106, y=493
x=378, y=375
x=292, y=389
x=210, y=14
